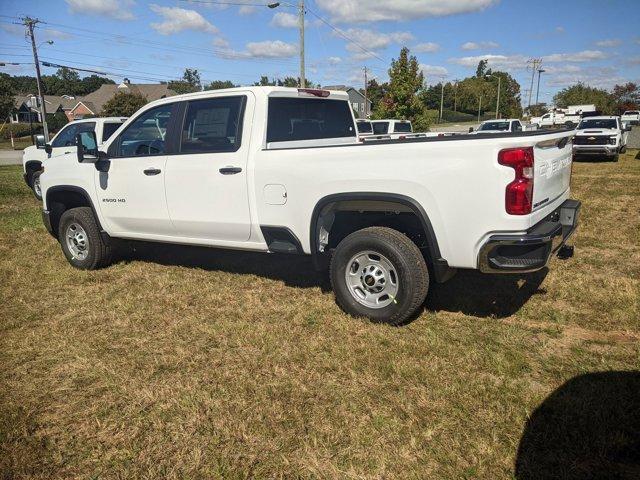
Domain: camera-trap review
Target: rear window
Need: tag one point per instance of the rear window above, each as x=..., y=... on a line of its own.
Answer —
x=108, y=129
x=631, y=112
x=594, y=123
x=404, y=127
x=380, y=128
x=294, y=119
x=502, y=126
x=364, y=127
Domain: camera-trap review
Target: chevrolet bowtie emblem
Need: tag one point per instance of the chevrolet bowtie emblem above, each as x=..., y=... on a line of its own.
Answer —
x=591, y=138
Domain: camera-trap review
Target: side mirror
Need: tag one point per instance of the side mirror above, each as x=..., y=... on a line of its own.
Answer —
x=48, y=148
x=470, y=129
x=87, y=151
x=40, y=143
x=87, y=147
x=626, y=127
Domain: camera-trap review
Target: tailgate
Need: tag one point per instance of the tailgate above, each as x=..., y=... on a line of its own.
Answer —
x=552, y=169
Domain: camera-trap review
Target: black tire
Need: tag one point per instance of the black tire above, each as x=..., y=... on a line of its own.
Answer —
x=410, y=271
x=615, y=158
x=35, y=185
x=98, y=252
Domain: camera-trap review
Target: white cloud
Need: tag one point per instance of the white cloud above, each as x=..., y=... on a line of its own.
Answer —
x=494, y=61
x=426, y=47
x=599, y=77
x=433, y=71
x=478, y=45
x=271, y=49
x=368, y=41
x=246, y=10
x=286, y=20
x=177, y=19
x=220, y=42
x=358, y=11
x=334, y=60
x=56, y=34
x=612, y=42
x=583, y=56
x=118, y=9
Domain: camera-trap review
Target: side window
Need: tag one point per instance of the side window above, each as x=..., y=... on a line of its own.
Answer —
x=380, y=128
x=146, y=135
x=293, y=119
x=108, y=129
x=67, y=136
x=212, y=125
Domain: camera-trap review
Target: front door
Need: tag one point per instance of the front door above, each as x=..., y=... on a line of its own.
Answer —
x=131, y=194
x=206, y=180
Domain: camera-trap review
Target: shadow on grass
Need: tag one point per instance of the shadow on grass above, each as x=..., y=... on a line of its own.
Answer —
x=293, y=270
x=593, y=159
x=484, y=295
x=589, y=428
x=470, y=292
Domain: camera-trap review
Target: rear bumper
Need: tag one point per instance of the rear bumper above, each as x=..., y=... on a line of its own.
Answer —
x=531, y=251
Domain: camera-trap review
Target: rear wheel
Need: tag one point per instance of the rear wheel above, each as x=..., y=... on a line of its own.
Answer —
x=81, y=241
x=35, y=185
x=380, y=274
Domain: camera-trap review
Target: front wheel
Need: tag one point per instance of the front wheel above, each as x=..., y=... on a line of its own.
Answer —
x=35, y=185
x=81, y=241
x=379, y=273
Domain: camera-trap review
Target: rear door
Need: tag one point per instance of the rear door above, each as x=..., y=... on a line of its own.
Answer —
x=206, y=181
x=64, y=142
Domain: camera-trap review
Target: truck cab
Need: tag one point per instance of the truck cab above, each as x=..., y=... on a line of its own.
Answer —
x=63, y=142
x=509, y=125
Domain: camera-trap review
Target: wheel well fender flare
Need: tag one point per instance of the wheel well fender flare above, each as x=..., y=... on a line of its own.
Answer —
x=434, y=250
x=57, y=189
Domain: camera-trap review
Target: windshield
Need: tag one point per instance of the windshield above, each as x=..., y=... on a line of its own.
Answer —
x=598, y=123
x=632, y=112
x=364, y=127
x=380, y=128
x=502, y=126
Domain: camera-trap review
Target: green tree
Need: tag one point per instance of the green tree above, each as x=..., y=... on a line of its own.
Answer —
x=481, y=71
x=627, y=97
x=581, y=94
x=189, y=83
x=219, y=84
x=57, y=120
x=123, y=104
x=6, y=97
x=375, y=92
x=92, y=83
x=402, y=100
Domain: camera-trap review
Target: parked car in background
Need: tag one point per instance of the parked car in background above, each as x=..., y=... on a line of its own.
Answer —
x=241, y=169
x=568, y=117
x=508, y=125
x=632, y=117
x=386, y=127
x=601, y=136
x=64, y=142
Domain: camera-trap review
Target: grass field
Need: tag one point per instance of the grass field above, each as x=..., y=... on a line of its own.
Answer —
x=194, y=363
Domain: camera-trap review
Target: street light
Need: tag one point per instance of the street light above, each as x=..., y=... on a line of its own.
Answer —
x=498, y=100
x=540, y=72
x=300, y=8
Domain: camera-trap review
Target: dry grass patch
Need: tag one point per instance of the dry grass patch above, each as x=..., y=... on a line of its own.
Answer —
x=198, y=363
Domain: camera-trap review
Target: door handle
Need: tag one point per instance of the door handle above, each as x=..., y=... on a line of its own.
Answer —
x=230, y=170
x=152, y=171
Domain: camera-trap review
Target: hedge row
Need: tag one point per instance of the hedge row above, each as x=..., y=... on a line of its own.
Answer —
x=19, y=130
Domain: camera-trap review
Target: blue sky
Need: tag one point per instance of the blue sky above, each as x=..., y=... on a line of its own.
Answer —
x=594, y=41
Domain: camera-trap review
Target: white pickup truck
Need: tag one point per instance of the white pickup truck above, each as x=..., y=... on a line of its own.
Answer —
x=568, y=117
x=631, y=117
x=601, y=136
x=507, y=125
x=275, y=169
x=34, y=156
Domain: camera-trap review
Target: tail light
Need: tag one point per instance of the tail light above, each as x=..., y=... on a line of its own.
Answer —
x=519, y=193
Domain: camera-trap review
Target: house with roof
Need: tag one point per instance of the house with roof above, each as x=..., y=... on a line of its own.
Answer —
x=26, y=107
x=93, y=103
x=360, y=104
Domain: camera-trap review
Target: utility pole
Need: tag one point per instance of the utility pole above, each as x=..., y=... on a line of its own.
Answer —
x=455, y=95
x=498, y=101
x=540, y=72
x=303, y=81
x=441, y=99
x=366, y=106
x=535, y=64
x=30, y=23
